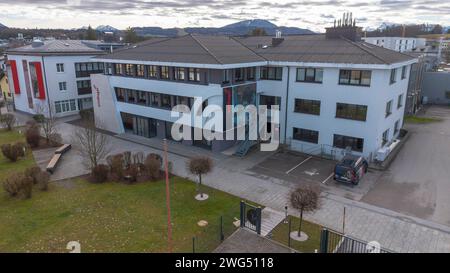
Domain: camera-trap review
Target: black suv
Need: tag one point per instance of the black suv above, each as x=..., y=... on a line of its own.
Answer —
x=350, y=169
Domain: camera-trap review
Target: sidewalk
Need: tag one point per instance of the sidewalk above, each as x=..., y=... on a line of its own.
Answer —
x=394, y=231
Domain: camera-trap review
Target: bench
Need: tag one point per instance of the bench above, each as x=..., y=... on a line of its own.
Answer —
x=53, y=162
x=63, y=149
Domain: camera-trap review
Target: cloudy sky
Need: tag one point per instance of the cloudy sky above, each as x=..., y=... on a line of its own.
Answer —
x=312, y=14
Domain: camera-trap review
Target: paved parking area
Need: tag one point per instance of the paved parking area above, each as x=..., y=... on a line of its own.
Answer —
x=298, y=168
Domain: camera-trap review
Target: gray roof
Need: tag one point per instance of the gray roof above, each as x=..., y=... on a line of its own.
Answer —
x=59, y=47
x=192, y=48
x=318, y=49
x=202, y=49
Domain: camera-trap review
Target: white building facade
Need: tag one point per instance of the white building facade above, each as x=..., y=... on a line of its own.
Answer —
x=400, y=44
x=350, y=101
x=52, y=77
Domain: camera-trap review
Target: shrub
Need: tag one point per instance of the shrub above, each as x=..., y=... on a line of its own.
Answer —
x=138, y=158
x=152, y=167
x=39, y=118
x=42, y=179
x=10, y=152
x=158, y=157
x=131, y=173
x=55, y=139
x=7, y=121
x=100, y=173
x=32, y=134
x=20, y=148
x=18, y=185
x=117, y=165
x=127, y=159
x=33, y=173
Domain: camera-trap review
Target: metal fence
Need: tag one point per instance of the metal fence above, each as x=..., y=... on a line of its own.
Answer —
x=335, y=242
x=211, y=236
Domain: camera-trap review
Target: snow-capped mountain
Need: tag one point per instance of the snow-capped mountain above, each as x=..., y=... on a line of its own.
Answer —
x=106, y=28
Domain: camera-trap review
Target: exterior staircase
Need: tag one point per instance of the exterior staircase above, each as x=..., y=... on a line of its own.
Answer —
x=245, y=147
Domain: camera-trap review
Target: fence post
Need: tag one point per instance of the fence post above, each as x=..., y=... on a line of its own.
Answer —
x=222, y=237
x=193, y=244
x=258, y=222
x=242, y=214
x=324, y=241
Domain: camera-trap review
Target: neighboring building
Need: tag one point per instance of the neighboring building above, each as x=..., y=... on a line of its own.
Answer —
x=4, y=87
x=400, y=44
x=334, y=90
x=436, y=88
x=52, y=75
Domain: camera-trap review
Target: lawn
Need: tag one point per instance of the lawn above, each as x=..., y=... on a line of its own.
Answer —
x=420, y=120
x=110, y=217
x=7, y=167
x=114, y=217
x=281, y=234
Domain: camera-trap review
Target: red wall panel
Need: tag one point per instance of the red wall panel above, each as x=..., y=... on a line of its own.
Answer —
x=15, y=76
x=40, y=79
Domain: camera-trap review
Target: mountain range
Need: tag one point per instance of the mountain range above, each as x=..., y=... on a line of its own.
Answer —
x=2, y=26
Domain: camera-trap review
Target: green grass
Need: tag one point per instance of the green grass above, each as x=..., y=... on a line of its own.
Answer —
x=421, y=120
x=7, y=167
x=114, y=217
x=281, y=234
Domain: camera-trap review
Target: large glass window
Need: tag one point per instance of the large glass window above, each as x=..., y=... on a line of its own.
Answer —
x=269, y=101
x=251, y=73
x=140, y=70
x=164, y=72
x=351, y=111
x=311, y=107
x=84, y=87
x=165, y=101
x=314, y=75
x=142, y=97
x=86, y=69
x=65, y=106
x=271, y=73
x=306, y=135
x=355, y=77
x=152, y=71
x=178, y=74
x=120, y=94
x=239, y=74
x=194, y=74
x=130, y=70
x=343, y=142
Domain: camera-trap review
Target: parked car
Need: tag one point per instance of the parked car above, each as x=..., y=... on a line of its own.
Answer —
x=351, y=169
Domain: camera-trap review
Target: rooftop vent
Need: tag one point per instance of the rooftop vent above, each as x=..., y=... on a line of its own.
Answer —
x=345, y=28
x=277, y=40
x=37, y=43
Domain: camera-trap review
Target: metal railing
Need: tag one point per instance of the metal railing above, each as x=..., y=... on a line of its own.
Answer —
x=335, y=242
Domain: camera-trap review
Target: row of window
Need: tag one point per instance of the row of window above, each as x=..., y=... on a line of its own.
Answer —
x=152, y=99
x=65, y=106
x=156, y=72
x=339, y=141
x=390, y=103
x=343, y=110
x=393, y=78
x=88, y=68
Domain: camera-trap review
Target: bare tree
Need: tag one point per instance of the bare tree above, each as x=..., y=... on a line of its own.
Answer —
x=199, y=166
x=94, y=145
x=48, y=122
x=8, y=121
x=305, y=199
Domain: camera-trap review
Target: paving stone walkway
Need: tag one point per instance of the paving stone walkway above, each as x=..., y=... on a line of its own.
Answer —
x=270, y=218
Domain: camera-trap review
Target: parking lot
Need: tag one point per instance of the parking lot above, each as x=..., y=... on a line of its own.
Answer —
x=298, y=168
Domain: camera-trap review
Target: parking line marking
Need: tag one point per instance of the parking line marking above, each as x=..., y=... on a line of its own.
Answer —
x=328, y=178
x=298, y=165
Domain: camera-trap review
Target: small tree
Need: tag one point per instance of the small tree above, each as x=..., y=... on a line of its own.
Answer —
x=32, y=134
x=152, y=166
x=46, y=118
x=199, y=166
x=2, y=104
x=93, y=145
x=7, y=121
x=305, y=199
x=91, y=34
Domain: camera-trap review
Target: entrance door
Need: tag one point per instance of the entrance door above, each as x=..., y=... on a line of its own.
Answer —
x=142, y=128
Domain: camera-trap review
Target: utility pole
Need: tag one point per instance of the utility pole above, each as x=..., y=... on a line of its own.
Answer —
x=169, y=221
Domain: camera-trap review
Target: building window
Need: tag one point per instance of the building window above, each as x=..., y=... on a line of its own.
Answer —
x=269, y=101
x=400, y=101
x=152, y=71
x=226, y=77
x=393, y=76
x=63, y=86
x=65, y=106
x=155, y=99
x=130, y=70
x=351, y=111
x=306, y=135
x=178, y=74
x=165, y=101
x=86, y=69
x=118, y=69
x=271, y=73
x=404, y=69
x=120, y=94
x=388, y=108
x=397, y=127
x=344, y=142
x=60, y=68
x=131, y=96
x=194, y=74
x=311, y=107
x=355, y=77
x=251, y=71
x=164, y=72
x=385, y=137
x=140, y=70
x=314, y=75
x=84, y=87
x=141, y=97
x=238, y=74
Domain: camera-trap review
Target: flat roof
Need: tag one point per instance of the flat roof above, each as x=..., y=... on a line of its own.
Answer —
x=59, y=47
